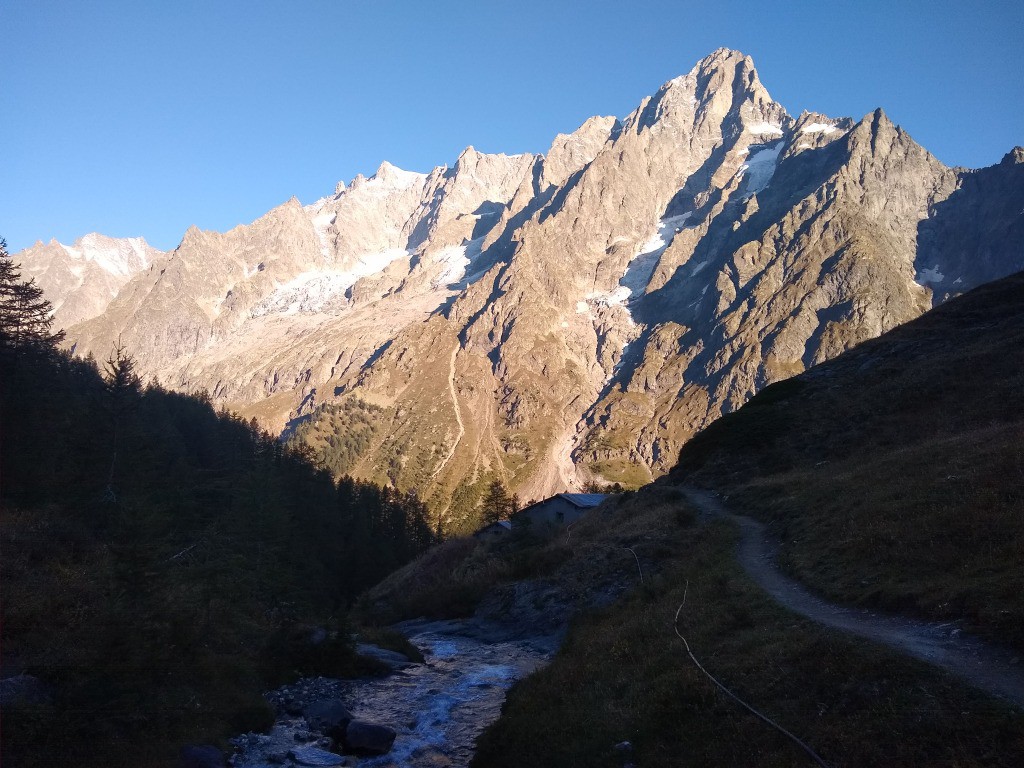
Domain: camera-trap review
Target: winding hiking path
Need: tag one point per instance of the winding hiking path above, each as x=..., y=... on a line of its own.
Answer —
x=993, y=670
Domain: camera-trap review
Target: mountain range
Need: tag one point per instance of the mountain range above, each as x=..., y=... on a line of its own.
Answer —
x=554, y=320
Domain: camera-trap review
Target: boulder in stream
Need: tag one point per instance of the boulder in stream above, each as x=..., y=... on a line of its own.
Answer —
x=393, y=659
x=363, y=738
x=314, y=757
x=329, y=717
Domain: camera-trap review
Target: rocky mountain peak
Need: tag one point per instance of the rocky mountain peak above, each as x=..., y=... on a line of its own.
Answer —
x=393, y=176
x=570, y=152
x=84, y=277
x=486, y=166
x=554, y=319
x=1014, y=157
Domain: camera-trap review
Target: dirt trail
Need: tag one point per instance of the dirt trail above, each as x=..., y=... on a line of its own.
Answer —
x=991, y=669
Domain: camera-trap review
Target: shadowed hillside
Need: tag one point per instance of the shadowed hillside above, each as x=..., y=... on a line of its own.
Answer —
x=893, y=475
x=162, y=563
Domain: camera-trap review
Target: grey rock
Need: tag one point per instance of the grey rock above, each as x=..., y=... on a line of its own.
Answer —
x=328, y=717
x=315, y=756
x=362, y=738
x=393, y=659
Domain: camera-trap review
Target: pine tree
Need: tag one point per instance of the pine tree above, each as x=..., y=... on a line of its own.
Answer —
x=24, y=314
x=497, y=504
x=123, y=391
x=120, y=371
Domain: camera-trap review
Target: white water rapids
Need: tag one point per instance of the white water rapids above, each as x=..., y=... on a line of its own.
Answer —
x=438, y=708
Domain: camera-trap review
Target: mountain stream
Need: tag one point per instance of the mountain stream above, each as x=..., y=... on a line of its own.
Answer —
x=437, y=708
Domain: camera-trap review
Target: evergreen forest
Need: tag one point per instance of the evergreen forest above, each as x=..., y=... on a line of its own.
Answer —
x=162, y=563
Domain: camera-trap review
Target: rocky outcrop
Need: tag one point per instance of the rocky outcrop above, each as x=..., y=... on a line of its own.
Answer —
x=550, y=320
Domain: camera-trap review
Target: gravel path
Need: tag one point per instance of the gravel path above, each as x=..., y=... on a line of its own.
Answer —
x=994, y=670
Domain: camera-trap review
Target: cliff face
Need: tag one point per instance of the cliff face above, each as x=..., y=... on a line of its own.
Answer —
x=555, y=319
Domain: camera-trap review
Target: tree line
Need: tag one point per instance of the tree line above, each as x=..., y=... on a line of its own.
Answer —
x=160, y=557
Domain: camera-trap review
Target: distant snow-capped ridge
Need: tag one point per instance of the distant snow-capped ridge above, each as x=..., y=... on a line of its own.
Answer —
x=81, y=279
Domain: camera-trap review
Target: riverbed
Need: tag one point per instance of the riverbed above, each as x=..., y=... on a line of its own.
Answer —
x=437, y=708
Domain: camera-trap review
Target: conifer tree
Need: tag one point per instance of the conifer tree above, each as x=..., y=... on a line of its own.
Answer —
x=497, y=504
x=24, y=314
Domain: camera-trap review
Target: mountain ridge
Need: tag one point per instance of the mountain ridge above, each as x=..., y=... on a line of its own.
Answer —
x=552, y=320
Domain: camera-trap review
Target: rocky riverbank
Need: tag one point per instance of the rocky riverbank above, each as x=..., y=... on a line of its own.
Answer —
x=427, y=714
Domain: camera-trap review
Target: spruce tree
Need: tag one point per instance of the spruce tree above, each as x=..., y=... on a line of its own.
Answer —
x=24, y=314
x=497, y=504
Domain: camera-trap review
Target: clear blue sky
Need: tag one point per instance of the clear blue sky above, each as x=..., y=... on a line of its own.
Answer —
x=132, y=117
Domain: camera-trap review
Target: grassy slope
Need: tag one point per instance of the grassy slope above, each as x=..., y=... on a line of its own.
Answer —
x=624, y=675
x=894, y=475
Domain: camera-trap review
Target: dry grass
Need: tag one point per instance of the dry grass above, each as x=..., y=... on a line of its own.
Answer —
x=894, y=475
x=623, y=675
x=447, y=582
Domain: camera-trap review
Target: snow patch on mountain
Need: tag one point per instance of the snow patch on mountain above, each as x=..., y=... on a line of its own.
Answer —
x=372, y=263
x=825, y=128
x=310, y=292
x=698, y=267
x=640, y=268
x=759, y=168
x=321, y=223
x=764, y=128
x=457, y=261
x=393, y=177
x=323, y=290
x=614, y=298
x=928, y=276
x=122, y=257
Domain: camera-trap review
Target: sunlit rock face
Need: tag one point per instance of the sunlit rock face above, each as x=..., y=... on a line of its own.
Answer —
x=83, y=278
x=556, y=319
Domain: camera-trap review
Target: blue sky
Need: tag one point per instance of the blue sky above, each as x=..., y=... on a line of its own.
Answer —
x=142, y=118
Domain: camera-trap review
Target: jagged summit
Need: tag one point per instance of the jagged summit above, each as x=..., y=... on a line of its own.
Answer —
x=395, y=176
x=573, y=316
x=723, y=57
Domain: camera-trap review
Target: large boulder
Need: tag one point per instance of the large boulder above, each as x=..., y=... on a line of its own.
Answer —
x=329, y=717
x=393, y=659
x=363, y=738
